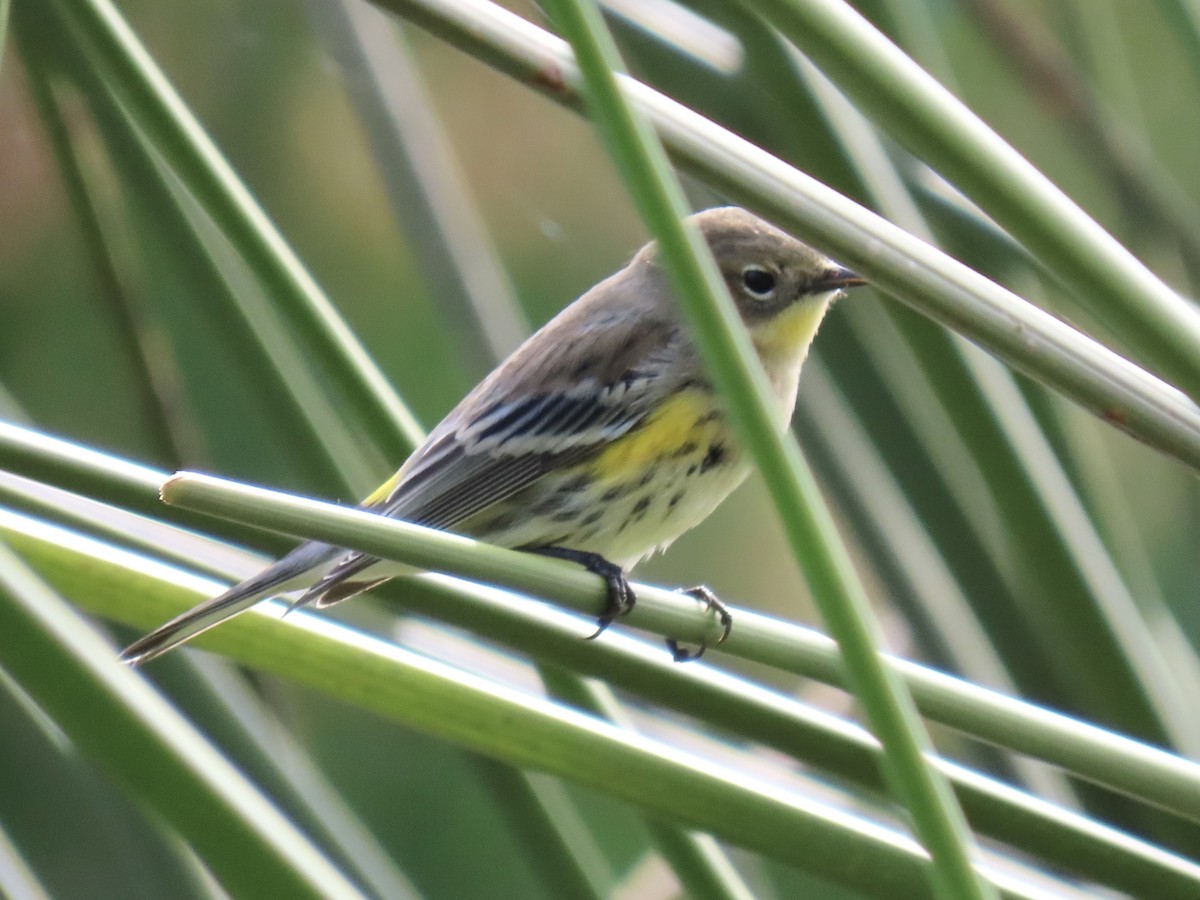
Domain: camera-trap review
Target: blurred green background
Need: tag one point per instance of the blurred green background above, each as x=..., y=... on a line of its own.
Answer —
x=1102, y=95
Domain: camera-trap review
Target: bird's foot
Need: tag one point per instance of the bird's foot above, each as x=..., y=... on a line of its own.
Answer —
x=621, y=597
x=713, y=604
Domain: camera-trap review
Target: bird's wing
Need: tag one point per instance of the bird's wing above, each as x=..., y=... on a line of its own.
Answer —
x=510, y=444
x=518, y=426
x=552, y=404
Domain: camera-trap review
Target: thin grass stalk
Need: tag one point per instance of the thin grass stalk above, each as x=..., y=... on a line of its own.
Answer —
x=18, y=879
x=1153, y=321
x=1025, y=337
x=1031, y=486
x=116, y=718
x=4, y=9
x=764, y=816
x=114, y=51
x=241, y=721
x=1116, y=148
x=167, y=434
x=1094, y=753
x=1073, y=841
x=473, y=295
x=702, y=867
x=936, y=818
x=742, y=710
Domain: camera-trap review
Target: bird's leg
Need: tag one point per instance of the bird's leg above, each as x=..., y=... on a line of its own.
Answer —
x=713, y=604
x=620, y=595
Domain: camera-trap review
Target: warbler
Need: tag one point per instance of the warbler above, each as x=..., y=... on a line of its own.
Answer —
x=599, y=440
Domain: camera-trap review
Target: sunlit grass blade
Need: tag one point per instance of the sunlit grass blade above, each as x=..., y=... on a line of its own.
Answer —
x=751, y=713
x=704, y=870
x=756, y=714
x=169, y=430
x=18, y=879
x=238, y=719
x=1155, y=322
x=130, y=72
x=726, y=348
x=475, y=299
x=1107, y=758
x=114, y=716
x=100, y=476
x=745, y=710
x=1111, y=143
x=1022, y=335
x=700, y=792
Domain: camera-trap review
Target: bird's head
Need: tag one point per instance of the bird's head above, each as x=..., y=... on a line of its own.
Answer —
x=766, y=270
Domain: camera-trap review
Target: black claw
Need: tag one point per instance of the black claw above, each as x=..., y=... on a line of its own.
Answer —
x=621, y=597
x=713, y=604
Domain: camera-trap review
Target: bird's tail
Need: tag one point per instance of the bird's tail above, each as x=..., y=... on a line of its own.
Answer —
x=298, y=569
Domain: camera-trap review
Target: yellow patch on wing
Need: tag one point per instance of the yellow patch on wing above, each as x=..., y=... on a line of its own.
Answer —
x=668, y=429
x=382, y=492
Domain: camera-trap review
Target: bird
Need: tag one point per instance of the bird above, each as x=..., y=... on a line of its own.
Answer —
x=599, y=440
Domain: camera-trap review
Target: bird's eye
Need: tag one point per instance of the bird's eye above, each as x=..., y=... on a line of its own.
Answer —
x=758, y=282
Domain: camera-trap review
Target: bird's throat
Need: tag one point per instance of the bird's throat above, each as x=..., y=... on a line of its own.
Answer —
x=788, y=335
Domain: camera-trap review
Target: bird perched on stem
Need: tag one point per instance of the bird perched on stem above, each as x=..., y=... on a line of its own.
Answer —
x=599, y=440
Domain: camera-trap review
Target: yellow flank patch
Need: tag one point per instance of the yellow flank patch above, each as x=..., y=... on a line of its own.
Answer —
x=667, y=430
x=790, y=332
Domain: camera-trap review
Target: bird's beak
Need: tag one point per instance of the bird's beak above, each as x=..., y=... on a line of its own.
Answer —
x=835, y=278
